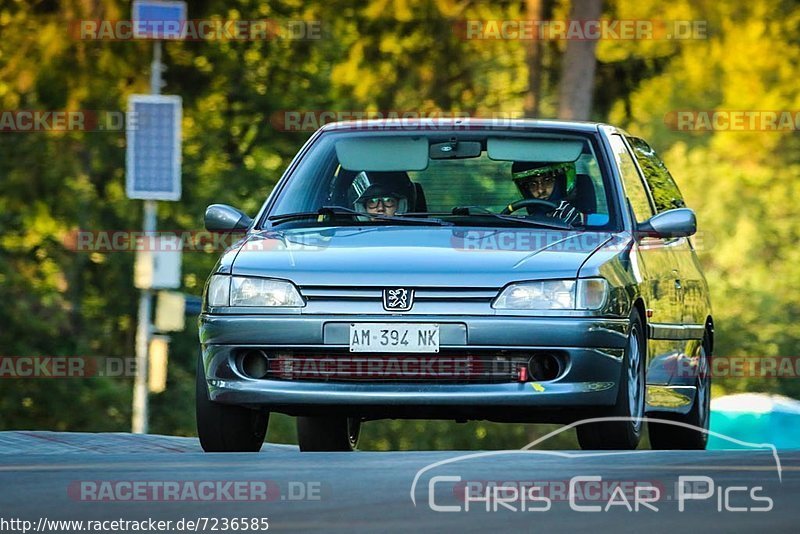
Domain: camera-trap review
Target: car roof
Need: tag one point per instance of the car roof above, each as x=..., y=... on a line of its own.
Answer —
x=471, y=123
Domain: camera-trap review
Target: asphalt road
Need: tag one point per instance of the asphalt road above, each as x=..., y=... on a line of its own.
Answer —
x=104, y=477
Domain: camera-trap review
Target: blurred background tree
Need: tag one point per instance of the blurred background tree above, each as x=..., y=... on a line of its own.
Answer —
x=374, y=55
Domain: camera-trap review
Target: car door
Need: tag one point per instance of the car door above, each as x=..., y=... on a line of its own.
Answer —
x=667, y=196
x=658, y=267
x=690, y=280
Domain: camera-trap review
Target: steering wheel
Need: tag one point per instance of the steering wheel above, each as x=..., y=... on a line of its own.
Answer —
x=540, y=205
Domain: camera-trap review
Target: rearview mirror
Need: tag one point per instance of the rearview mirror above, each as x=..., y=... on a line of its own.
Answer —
x=224, y=218
x=680, y=222
x=455, y=150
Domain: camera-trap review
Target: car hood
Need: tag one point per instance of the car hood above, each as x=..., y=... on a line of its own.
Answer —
x=415, y=255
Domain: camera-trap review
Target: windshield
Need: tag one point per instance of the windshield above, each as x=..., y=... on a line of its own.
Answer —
x=463, y=178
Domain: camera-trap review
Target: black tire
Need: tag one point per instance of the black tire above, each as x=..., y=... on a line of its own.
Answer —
x=227, y=428
x=317, y=434
x=666, y=436
x=623, y=435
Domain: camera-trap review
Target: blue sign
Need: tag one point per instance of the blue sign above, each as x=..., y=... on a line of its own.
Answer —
x=153, y=166
x=157, y=19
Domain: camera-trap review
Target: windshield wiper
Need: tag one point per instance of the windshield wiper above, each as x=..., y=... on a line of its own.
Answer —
x=530, y=222
x=465, y=212
x=331, y=211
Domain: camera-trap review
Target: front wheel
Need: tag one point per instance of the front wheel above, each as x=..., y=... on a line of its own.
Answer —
x=328, y=433
x=625, y=433
x=226, y=428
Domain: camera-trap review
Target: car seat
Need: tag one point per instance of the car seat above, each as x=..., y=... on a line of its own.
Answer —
x=585, y=197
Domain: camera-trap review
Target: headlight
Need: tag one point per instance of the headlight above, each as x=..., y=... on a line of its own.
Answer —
x=219, y=290
x=245, y=291
x=592, y=293
x=585, y=294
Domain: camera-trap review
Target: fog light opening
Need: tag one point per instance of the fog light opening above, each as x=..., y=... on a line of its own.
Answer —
x=544, y=367
x=254, y=364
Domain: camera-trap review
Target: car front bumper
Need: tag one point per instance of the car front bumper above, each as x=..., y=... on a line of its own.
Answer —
x=594, y=348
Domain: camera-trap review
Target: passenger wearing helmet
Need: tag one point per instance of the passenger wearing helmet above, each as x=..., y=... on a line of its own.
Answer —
x=381, y=199
x=550, y=182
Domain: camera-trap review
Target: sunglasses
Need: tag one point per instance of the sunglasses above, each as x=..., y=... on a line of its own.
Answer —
x=388, y=202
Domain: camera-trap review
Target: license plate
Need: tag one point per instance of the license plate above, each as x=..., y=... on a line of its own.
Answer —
x=394, y=337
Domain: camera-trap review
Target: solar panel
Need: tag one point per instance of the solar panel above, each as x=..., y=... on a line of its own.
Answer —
x=154, y=147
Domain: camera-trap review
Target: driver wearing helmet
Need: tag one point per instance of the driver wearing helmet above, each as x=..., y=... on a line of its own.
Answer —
x=548, y=182
x=381, y=199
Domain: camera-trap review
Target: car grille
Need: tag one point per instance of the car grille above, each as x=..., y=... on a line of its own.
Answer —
x=446, y=367
x=327, y=293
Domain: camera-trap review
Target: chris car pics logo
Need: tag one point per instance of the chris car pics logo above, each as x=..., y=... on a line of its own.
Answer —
x=444, y=489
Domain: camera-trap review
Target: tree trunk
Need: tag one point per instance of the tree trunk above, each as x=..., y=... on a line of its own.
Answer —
x=534, y=10
x=577, y=70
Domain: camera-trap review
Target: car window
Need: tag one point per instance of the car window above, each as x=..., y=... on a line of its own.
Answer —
x=663, y=189
x=297, y=196
x=634, y=187
x=483, y=182
x=459, y=186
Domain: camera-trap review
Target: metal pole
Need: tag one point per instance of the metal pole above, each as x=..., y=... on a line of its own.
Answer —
x=156, y=68
x=140, y=419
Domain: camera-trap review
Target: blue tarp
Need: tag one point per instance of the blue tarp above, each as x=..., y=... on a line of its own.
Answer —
x=755, y=418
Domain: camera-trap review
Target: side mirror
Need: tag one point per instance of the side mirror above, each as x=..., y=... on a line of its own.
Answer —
x=224, y=218
x=679, y=222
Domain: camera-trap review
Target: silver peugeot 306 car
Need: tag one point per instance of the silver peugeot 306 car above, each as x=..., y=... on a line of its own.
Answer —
x=523, y=271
